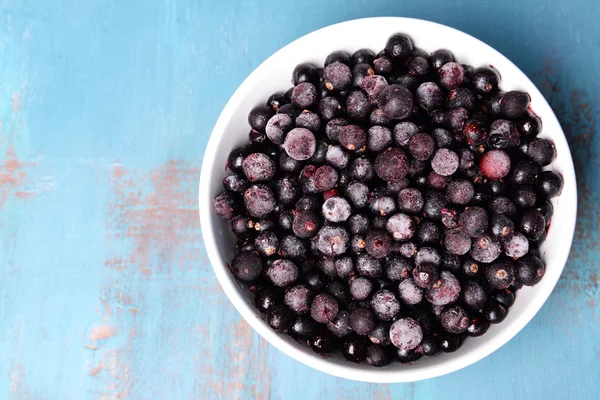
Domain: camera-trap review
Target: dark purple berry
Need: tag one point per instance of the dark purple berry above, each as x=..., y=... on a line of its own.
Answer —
x=429, y=96
x=439, y=58
x=324, y=308
x=525, y=172
x=474, y=295
x=378, y=243
x=266, y=243
x=400, y=226
x=283, y=272
x=404, y=131
x=532, y=224
x=391, y=164
x=359, y=72
x=460, y=191
x=377, y=356
x=344, y=267
x=362, y=321
x=435, y=202
x=451, y=75
x=358, y=106
x=455, y=319
x=530, y=126
x=340, y=325
x=382, y=65
x=336, y=209
x=444, y=290
x=490, y=103
x=500, y=274
x=421, y=146
x=397, y=268
x=461, y=97
x=429, y=233
x=288, y=190
x=246, y=266
x=410, y=200
x=361, y=169
x=225, y=206
x=352, y=137
x=529, y=270
x=406, y=333
x=358, y=194
x=302, y=327
x=456, y=118
x=385, y=305
x=266, y=298
x=306, y=224
x=502, y=227
x=361, y=288
x=362, y=56
x=395, y=101
x=494, y=312
x=235, y=184
x=514, y=104
x=378, y=118
x=541, y=151
x=337, y=157
x=355, y=348
x=279, y=318
x=418, y=66
x=503, y=135
x=485, y=249
x=330, y=108
x=297, y=298
x=525, y=196
x=300, y=144
x=485, y=79
x=276, y=100
x=287, y=163
x=368, y=266
x=378, y=138
x=409, y=292
x=478, y=325
x=549, y=184
x=338, y=56
x=475, y=132
x=290, y=110
x=424, y=275
x=259, y=116
x=456, y=242
x=443, y=137
x=278, y=126
x=332, y=240
x=321, y=341
x=309, y=120
x=337, y=76
x=305, y=73
x=292, y=247
x=259, y=200
x=445, y=162
x=495, y=164
x=373, y=85
x=399, y=46
x=474, y=221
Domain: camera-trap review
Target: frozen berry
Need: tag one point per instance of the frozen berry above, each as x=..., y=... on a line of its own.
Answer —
x=529, y=270
x=358, y=106
x=400, y=226
x=381, y=204
x=297, y=298
x=474, y=294
x=378, y=138
x=324, y=308
x=514, y=104
x=224, y=205
x=525, y=196
x=391, y=165
x=461, y=97
x=409, y=292
x=451, y=75
x=337, y=157
x=358, y=194
x=300, y=144
x=460, y=191
x=306, y=224
x=332, y=240
x=385, y=305
x=283, y=272
x=478, y=325
x=361, y=288
x=305, y=73
x=406, y=333
x=549, y=184
x=259, y=116
x=378, y=243
x=424, y=275
x=475, y=132
x=336, y=209
x=399, y=46
x=337, y=76
x=338, y=56
x=246, y=266
x=444, y=290
x=474, y=221
x=340, y=324
x=355, y=348
x=259, y=200
x=279, y=318
x=368, y=266
x=485, y=249
x=525, y=172
x=395, y=101
x=421, y=146
x=456, y=118
x=266, y=243
x=445, y=162
x=361, y=169
x=429, y=96
x=500, y=274
x=485, y=79
x=362, y=321
x=503, y=135
x=352, y=137
x=398, y=268
x=373, y=85
x=404, y=131
x=410, y=201
x=309, y=120
x=429, y=233
x=456, y=242
x=455, y=319
x=495, y=312
x=321, y=341
x=532, y=224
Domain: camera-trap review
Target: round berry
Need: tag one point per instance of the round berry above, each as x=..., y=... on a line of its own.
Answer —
x=409, y=292
x=549, y=184
x=395, y=101
x=352, y=137
x=337, y=76
x=424, y=275
x=400, y=226
x=514, y=104
x=421, y=146
x=391, y=164
x=279, y=318
x=385, y=305
x=455, y=319
x=445, y=162
x=485, y=249
x=444, y=290
x=451, y=75
x=429, y=96
x=529, y=271
x=336, y=209
x=362, y=321
x=332, y=240
x=324, y=308
x=406, y=333
x=300, y=144
x=259, y=200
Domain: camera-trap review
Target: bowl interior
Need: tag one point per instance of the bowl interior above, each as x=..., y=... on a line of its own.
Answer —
x=274, y=75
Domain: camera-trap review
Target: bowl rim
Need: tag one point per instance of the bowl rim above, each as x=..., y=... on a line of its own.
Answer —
x=349, y=371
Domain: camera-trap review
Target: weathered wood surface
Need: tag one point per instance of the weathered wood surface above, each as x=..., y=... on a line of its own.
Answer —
x=105, y=111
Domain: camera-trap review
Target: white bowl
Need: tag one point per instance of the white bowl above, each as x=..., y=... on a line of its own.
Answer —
x=231, y=130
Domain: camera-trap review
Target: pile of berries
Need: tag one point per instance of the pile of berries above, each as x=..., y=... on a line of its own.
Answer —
x=389, y=205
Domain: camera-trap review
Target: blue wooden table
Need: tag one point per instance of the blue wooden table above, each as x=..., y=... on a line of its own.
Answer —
x=105, y=110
